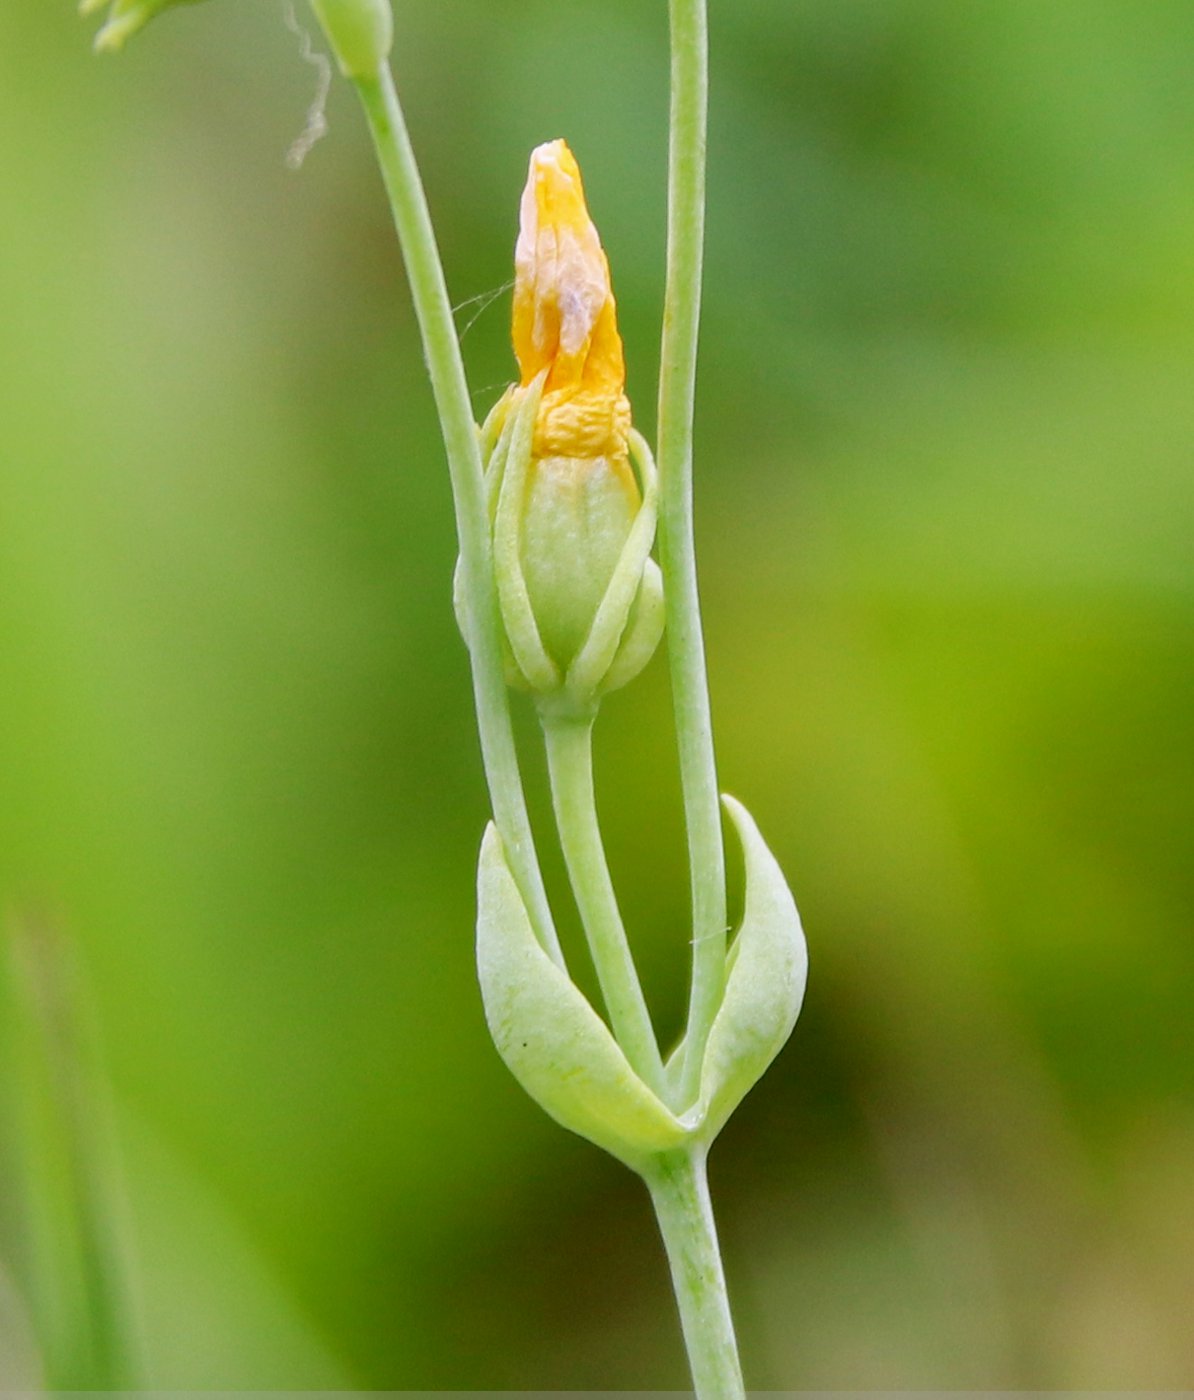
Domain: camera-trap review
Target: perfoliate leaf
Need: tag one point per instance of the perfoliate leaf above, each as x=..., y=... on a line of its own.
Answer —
x=551, y=1039
x=768, y=969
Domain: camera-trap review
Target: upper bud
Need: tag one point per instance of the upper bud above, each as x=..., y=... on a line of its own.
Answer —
x=572, y=486
x=125, y=18
x=360, y=32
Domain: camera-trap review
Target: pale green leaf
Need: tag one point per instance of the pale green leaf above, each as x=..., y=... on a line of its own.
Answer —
x=551, y=1039
x=768, y=968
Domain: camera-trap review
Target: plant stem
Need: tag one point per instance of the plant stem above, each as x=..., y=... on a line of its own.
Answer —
x=570, y=764
x=685, y=642
x=680, y=1193
x=442, y=350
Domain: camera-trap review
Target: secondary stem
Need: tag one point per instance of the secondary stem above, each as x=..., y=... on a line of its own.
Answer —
x=685, y=642
x=442, y=350
x=680, y=1193
x=570, y=764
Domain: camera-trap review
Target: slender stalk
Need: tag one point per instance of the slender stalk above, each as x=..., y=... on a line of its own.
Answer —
x=442, y=350
x=570, y=764
x=686, y=647
x=680, y=1193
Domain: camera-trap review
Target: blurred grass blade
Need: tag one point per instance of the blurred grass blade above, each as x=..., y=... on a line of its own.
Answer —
x=75, y=1261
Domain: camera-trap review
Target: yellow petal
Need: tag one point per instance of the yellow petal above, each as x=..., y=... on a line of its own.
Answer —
x=565, y=319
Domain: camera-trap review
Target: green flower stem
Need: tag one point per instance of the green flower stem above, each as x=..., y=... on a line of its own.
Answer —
x=442, y=349
x=678, y=1184
x=680, y=1192
x=685, y=643
x=570, y=763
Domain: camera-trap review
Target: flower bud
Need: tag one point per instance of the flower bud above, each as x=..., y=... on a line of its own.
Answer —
x=360, y=33
x=572, y=486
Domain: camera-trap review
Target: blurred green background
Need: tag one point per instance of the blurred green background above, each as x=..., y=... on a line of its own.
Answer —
x=945, y=515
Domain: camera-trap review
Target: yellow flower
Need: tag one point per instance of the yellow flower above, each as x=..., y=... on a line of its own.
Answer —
x=565, y=321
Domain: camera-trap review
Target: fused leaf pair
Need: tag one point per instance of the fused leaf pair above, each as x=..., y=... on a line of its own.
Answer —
x=564, y=1056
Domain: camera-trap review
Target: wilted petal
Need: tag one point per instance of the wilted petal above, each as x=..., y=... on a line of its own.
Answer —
x=565, y=318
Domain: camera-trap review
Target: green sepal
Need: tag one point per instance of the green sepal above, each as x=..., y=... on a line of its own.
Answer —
x=494, y=437
x=497, y=421
x=644, y=629
x=767, y=969
x=550, y=1038
x=593, y=671
x=510, y=472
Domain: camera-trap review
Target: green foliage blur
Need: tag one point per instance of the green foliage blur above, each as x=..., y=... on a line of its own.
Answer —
x=945, y=516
